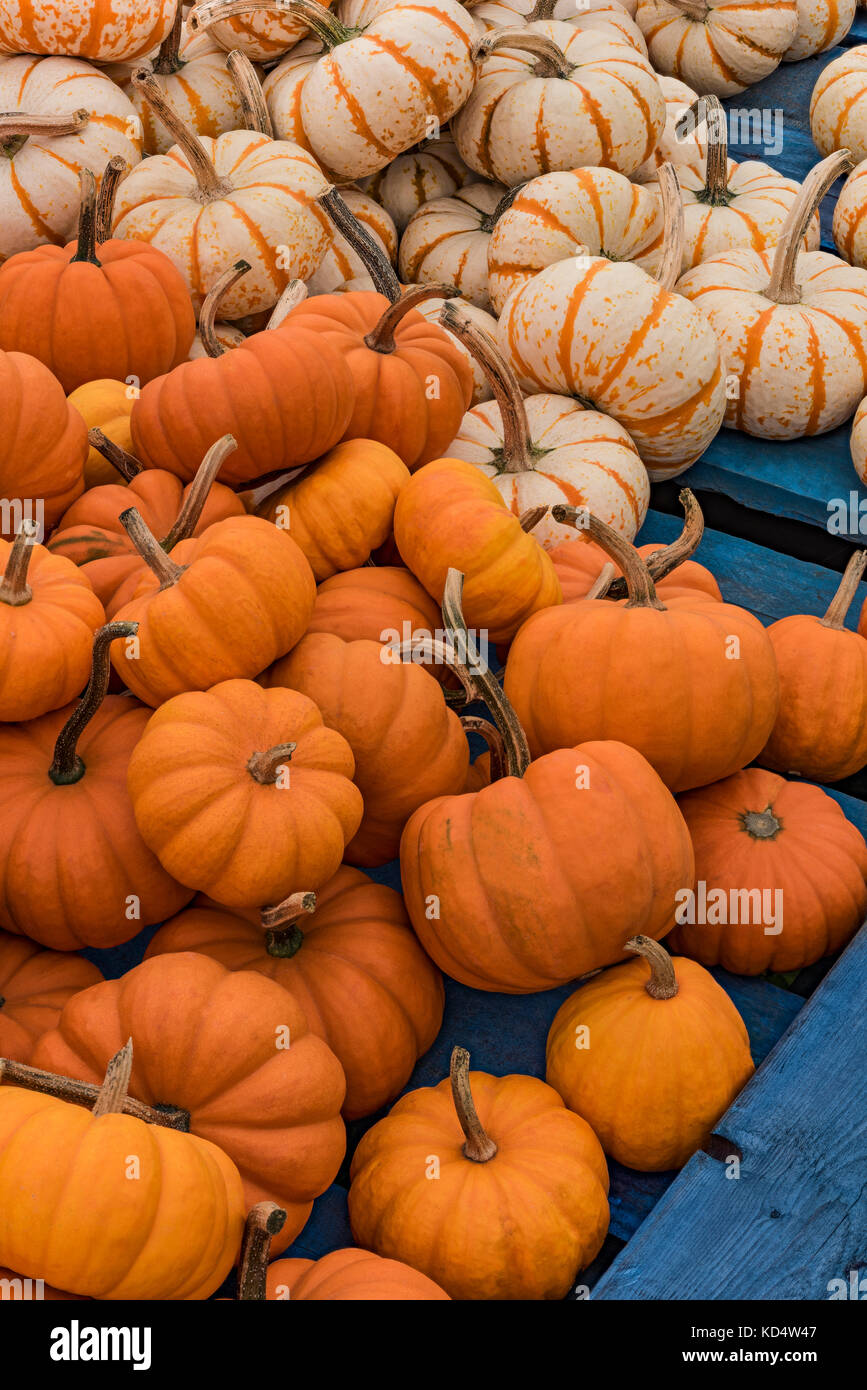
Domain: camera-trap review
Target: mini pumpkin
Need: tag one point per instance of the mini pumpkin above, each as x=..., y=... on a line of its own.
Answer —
x=858, y=442
x=108, y=31
x=342, y=266
x=821, y=25
x=43, y=445
x=106, y=406
x=681, y=142
x=838, y=105
x=263, y=34
x=431, y=169
x=849, y=212
x=718, y=46
x=447, y=241
x=350, y=1275
x=34, y=986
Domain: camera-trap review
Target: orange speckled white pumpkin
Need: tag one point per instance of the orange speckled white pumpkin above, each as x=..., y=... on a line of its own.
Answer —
x=850, y=217
x=263, y=33
x=838, y=106
x=432, y=169
x=431, y=310
x=446, y=241
x=107, y=31
x=342, y=264
x=40, y=191
x=821, y=25
x=555, y=216
x=688, y=148
x=226, y=335
x=718, y=46
x=858, y=442
x=606, y=16
x=551, y=97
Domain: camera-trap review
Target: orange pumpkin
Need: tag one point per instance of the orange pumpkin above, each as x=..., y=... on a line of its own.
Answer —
x=105, y=406
x=651, y=1063
x=34, y=986
x=787, y=858
x=43, y=445
x=348, y=955
x=350, y=1276
x=519, y=1204
x=74, y=870
x=16, y=1289
x=230, y=1055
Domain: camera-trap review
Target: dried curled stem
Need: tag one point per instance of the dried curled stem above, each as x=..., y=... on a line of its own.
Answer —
x=663, y=981
x=67, y=767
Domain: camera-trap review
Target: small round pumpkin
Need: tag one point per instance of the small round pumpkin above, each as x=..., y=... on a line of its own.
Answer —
x=43, y=444
x=849, y=213
x=822, y=24
x=106, y=31
x=676, y=145
x=719, y=46
x=447, y=241
x=34, y=986
x=838, y=105
x=651, y=1064
x=350, y=1276
x=105, y=405
x=431, y=169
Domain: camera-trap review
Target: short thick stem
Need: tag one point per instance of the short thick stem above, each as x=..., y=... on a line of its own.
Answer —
x=265, y=767
x=264, y=1221
x=479, y=1147
x=67, y=767
x=85, y=248
x=198, y=491
x=761, y=825
x=283, y=936
x=517, y=443
x=663, y=981
x=530, y=519
x=692, y=9
x=842, y=600
x=664, y=561
x=211, y=304
x=211, y=186
x=114, y=172
x=14, y=589
x=551, y=61
x=168, y=61
x=375, y=262
x=126, y=464
x=782, y=288
x=253, y=104
x=381, y=338
x=669, y=268
x=149, y=548
x=640, y=586
x=85, y=1094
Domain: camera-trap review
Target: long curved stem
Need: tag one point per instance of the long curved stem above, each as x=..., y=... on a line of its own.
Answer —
x=375, y=262
x=294, y=294
x=669, y=268
x=319, y=20
x=663, y=981
x=211, y=186
x=551, y=61
x=842, y=600
x=517, y=442
x=66, y=766
x=111, y=178
x=198, y=491
x=716, y=181
x=14, y=589
x=149, y=548
x=663, y=562
x=381, y=338
x=85, y=249
x=16, y=127
x=474, y=724
x=86, y=1094
x=479, y=1146
x=210, y=307
x=264, y=1221
x=126, y=464
x=642, y=593
x=782, y=288
x=249, y=88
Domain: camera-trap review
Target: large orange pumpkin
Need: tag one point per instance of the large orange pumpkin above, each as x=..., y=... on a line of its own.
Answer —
x=348, y=955
x=34, y=986
x=43, y=445
x=350, y=1275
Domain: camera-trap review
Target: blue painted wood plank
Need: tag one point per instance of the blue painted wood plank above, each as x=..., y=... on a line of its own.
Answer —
x=796, y=1217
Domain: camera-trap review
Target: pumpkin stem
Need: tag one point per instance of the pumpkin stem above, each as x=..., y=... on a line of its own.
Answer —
x=319, y=20
x=294, y=294
x=16, y=127
x=112, y=175
x=126, y=464
x=639, y=584
x=518, y=451
x=264, y=1221
x=168, y=59
x=210, y=185
x=601, y=586
x=149, y=548
x=782, y=288
x=842, y=600
x=532, y=516
x=84, y=1093
x=85, y=247
x=190, y=514
x=669, y=269
x=473, y=724
x=283, y=937
x=381, y=338
x=264, y=767
x=542, y=10
x=663, y=981
x=692, y=9
x=761, y=825
x=551, y=61
x=253, y=104
x=376, y=263
x=14, y=589
x=210, y=305
x=662, y=562
x=112, y=1092
x=479, y=1148
x=66, y=767
x=490, y=219
x=716, y=179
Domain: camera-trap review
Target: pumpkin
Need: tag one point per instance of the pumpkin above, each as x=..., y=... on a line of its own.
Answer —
x=408, y=746
x=548, y=449
x=431, y=309
x=48, y=616
x=519, y=874
x=758, y=841
x=43, y=445
x=62, y=116
x=92, y=310
x=679, y=143
x=610, y=109
x=791, y=324
x=431, y=169
x=34, y=986
x=244, y=792
x=103, y=30
x=90, y=533
x=652, y=1081
x=342, y=508
x=263, y=33
x=348, y=956
x=820, y=730
x=625, y=345
x=519, y=1229
x=350, y=1275
x=226, y=1055
x=342, y=264
x=718, y=46
x=575, y=212
x=17, y=1290
x=114, y=884
x=838, y=105
x=606, y=16
x=209, y=201
x=447, y=240
x=224, y=604
x=692, y=685
x=821, y=25
x=858, y=442
x=105, y=405
x=71, y=1215
x=848, y=224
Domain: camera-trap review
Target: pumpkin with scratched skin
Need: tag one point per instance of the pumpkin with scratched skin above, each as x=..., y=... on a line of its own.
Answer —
x=34, y=986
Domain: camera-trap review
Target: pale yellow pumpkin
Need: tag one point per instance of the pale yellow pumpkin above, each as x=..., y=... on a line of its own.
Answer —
x=105, y=405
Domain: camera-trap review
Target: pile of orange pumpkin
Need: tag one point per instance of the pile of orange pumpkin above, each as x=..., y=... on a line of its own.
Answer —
x=315, y=412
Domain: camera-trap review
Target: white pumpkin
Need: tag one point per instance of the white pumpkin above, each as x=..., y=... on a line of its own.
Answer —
x=550, y=97
x=717, y=46
x=431, y=309
x=103, y=31
x=446, y=241
x=607, y=16
x=282, y=89
x=858, y=442
x=673, y=147
x=624, y=344
x=850, y=217
x=263, y=32
x=584, y=211
x=838, y=106
x=431, y=169
x=792, y=327
x=342, y=265
x=821, y=25
x=62, y=116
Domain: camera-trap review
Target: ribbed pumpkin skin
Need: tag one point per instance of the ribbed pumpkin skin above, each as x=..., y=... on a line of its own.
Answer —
x=678, y=98
x=34, y=986
x=450, y=514
x=69, y=1213
x=518, y=1227
x=364, y=983
x=663, y=682
x=84, y=900
x=207, y=1040
x=658, y=1073
x=447, y=242
x=201, y=90
x=820, y=730
x=285, y=397
x=106, y=405
x=838, y=109
x=605, y=15
x=350, y=1276
x=243, y=600
x=736, y=43
x=200, y=809
x=815, y=845
x=259, y=34
x=43, y=441
x=109, y=31
x=46, y=643
x=431, y=170
x=91, y=535
x=849, y=214
x=48, y=1293
x=407, y=744
x=821, y=25
x=578, y=563
x=523, y=869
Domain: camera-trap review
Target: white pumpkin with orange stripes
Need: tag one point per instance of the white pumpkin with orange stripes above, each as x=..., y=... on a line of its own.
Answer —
x=431, y=169
x=587, y=15
x=262, y=32
x=583, y=211
x=623, y=344
x=838, y=106
x=103, y=31
x=821, y=25
x=850, y=217
x=858, y=442
x=792, y=326
x=483, y=322
x=547, y=449
x=675, y=147
x=341, y=263
x=550, y=97
x=717, y=46
x=446, y=242
x=282, y=89
x=62, y=116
